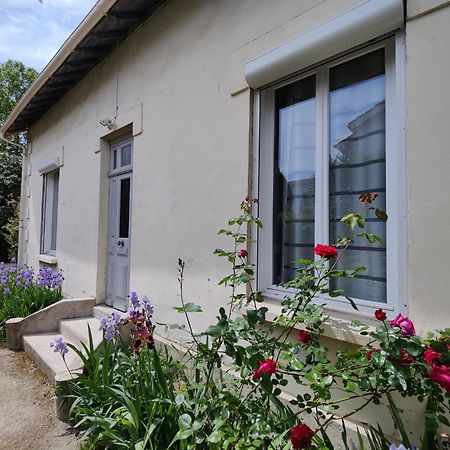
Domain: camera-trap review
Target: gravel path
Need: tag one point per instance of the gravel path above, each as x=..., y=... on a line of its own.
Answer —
x=27, y=415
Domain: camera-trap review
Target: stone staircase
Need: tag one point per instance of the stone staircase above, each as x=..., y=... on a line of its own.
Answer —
x=72, y=330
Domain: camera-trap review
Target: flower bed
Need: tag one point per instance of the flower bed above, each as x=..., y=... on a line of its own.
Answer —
x=22, y=292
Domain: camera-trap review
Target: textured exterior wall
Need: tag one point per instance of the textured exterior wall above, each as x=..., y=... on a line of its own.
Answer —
x=428, y=137
x=173, y=78
x=191, y=159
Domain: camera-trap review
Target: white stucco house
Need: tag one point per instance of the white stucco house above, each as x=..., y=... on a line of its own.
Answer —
x=156, y=118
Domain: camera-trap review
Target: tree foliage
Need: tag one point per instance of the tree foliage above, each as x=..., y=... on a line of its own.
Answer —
x=15, y=79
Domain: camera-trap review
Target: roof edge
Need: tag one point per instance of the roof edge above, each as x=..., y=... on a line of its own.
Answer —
x=100, y=9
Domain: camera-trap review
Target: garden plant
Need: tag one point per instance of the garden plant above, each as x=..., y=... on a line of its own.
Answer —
x=225, y=389
x=22, y=292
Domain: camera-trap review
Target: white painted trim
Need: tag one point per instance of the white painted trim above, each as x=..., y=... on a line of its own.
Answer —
x=49, y=165
x=396, y=197
x=48, y=259
x=357, y=26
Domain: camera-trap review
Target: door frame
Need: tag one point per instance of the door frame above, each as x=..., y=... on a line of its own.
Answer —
x=118, y=172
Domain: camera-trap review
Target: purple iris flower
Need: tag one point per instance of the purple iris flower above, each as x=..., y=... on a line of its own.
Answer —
x=49, y=278
x=147, y=306
x=59, y=345
x=109, y=324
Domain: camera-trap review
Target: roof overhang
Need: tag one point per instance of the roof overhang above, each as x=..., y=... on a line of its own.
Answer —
x=107, y=24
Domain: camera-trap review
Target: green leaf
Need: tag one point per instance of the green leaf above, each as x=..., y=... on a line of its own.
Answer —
x=352, y=303
x=185, y=421
x=412, y=348
x=398, y=421
x=361, y=221
x=443, y=420
x=381, y=215
x=179, y=399
x=188, y=307
x=215, y=436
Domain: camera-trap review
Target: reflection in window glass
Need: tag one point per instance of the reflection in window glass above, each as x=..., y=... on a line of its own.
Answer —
x=357, y=165
x=126, y=155
x=294, y=177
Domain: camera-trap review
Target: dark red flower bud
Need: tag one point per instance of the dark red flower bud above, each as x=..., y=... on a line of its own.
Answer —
x=304, y=337
x=243, y=253
x=301, y=436
x=380, y=315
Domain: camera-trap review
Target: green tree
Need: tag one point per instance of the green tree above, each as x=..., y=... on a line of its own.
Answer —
x=15, y=79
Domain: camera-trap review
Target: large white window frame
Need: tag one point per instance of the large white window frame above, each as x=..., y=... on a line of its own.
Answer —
x=395, y=176
x=49, y=225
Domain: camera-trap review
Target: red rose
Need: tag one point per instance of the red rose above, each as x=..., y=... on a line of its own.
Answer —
x=405, y=324
x=301, y=436
x=304, y=337
x=441, y=375
x=405, y=359
x=430, y=356
x=325, y=251
x=243, y=253
x=268, y=366
x=380, y=315
x=370, y=353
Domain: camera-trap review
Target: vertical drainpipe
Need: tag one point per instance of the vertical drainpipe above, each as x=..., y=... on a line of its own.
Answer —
x=23, y=206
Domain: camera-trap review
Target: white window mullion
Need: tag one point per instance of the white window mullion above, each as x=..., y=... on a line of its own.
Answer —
x=395, y=176
x=321, y=194
x=265, y=189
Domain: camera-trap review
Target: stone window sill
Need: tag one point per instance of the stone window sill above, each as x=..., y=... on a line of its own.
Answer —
x=337, y=327
x=48, y=259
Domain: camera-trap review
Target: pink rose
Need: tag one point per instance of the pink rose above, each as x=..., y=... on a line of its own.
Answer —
x=268, y=366
x=430, y=356
x=407, y=327
x=325, y=251
x=440, y=375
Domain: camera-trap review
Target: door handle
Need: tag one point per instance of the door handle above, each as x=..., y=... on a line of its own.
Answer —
x=120, y=243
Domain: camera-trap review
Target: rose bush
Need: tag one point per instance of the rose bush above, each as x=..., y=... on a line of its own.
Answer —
x=225, y=390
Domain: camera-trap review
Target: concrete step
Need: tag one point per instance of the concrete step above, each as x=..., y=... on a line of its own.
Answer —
x=100, y=311
x=51, y=363
x=76, y=330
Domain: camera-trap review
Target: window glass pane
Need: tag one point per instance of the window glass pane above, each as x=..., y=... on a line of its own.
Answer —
x=114, y=164
x=357, y=165
x=124, y=214
x=50, y=212
x=126, y=155
x=54, y=212
x=294, y=177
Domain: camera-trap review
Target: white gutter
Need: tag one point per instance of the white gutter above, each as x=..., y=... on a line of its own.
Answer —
x=97, y=12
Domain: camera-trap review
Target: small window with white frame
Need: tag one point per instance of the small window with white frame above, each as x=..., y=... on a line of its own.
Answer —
x=49, y=212
x=327, y=136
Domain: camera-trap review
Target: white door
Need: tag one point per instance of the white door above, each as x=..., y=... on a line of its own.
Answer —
x=119, y=229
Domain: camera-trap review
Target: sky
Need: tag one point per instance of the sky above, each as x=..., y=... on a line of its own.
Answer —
x=32, y=31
